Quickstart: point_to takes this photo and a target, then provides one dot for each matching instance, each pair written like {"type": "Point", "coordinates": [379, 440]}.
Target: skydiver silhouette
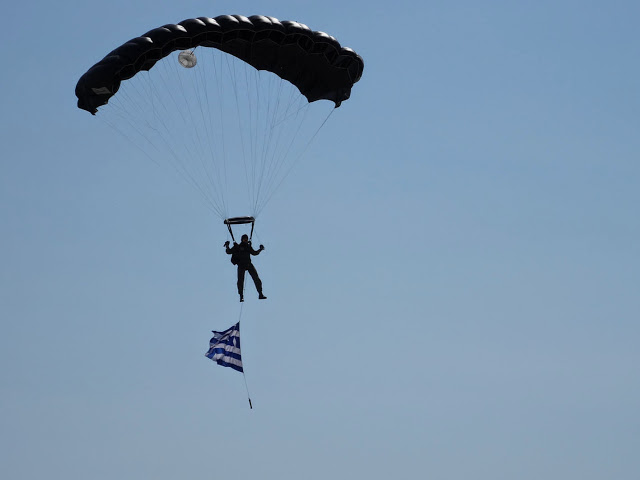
{"type": "Point", "coordinates": [241, 256]}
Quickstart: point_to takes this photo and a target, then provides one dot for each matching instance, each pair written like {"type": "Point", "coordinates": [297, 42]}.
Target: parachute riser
{"type": "Point", "coordinates": [240, 221]}
{"type": "Point", "coordinates": [231, 233]}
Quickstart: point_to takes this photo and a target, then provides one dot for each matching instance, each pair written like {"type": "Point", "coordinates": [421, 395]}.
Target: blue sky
{"type": "Point", "coordinates": [452, 269]}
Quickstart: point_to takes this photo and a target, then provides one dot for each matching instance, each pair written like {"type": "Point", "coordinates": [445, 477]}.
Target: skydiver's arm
{"type": "Point", "coordinates": [257, 252]}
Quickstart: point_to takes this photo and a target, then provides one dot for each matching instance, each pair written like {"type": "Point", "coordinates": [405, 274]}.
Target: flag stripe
{"type": "Point", "coordinates": [221, 352]}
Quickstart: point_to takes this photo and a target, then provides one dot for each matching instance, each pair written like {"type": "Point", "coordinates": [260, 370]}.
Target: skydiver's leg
{"type": "Point", "coordinates": [241, 270]}
{"type": "Point", "coordinates": [256, 279]}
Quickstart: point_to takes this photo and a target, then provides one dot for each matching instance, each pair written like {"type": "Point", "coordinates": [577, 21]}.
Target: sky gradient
{"type": "Point", "coordinates": [452, 269]}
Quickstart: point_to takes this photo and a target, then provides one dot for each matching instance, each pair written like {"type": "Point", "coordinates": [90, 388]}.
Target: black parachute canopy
{"type": "Point", "coordinates": [314, 62]}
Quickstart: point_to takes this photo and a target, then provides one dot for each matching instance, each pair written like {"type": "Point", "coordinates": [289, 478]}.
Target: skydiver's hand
{"type": "Point", "coordinates": [261, 247]}
{"type": "Point", "coordinates": [226, 244]}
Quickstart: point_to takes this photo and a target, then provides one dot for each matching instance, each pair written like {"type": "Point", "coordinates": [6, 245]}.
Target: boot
{"type": "Point", "coordinates": [241, 298]}
{"type": "Point", "coordinates": [261, 296]}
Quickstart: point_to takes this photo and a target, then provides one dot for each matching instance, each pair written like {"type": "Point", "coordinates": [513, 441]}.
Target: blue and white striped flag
{"type": "Point", "coordinates": [224, 348]}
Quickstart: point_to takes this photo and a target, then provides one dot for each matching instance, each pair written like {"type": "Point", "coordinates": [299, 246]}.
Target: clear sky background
{"type": "Point", "coordinates": [453, 270]}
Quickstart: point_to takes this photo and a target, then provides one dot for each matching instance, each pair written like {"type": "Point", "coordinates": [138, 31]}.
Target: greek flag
{"type": "Point", "coordinates": [224, 348]}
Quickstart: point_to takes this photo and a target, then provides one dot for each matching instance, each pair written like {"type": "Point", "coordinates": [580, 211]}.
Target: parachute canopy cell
{"type": "Point", "coordinates": [314, 62]}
